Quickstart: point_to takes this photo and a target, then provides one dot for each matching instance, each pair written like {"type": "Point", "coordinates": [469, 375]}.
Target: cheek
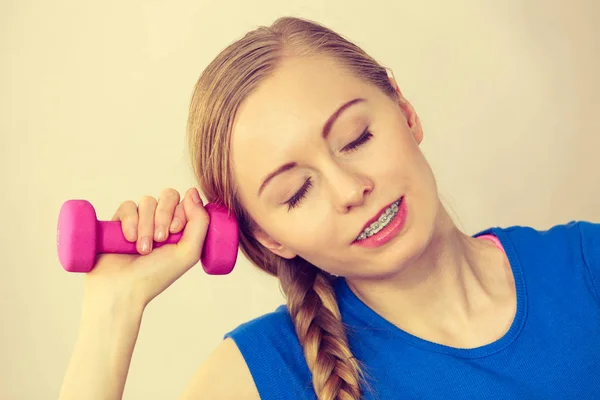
{"type": "Point", "coordinates": [308, 236]}
{"type": "Point", "coordinates": [388, 157]}
{"type": "Point", "coordinates": [397, 148]}
{"type": "Point", "coordinates": [311, 235]}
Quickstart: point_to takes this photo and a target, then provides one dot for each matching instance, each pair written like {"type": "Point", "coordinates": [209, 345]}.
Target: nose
{"type": "Point", "coordinates": [349, 189]}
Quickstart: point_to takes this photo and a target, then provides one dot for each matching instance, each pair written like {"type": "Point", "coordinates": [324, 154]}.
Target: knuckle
{"type": "Point", "coordinates": [127, 214]}
{"type": "Point", "coordinates": [163, 216]}
{"type": "Point", "coordinates": [179, 220]}
{"type": "Point", "coordinates": [145, 219]}
{"type": "Point", "coordinates": [126, 205]}
{"type": "Point", "coordinates": [180, 212]}
{"type": "Point", "coordinates": [146, 229]}
{"type": "Point", "coordinates": [131, 221]}
{"type": "Point", "coordinates": [148, 201]}
{"type": "Point", "coordinates": [126, 211]}
{"type": "Point", "coordinates": [146, 215]}
{"type": "Point", "coordinates": [170, 195]}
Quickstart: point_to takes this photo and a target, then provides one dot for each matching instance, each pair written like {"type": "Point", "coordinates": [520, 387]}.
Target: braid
{"type": "Point", "coordinates": [314, 310]}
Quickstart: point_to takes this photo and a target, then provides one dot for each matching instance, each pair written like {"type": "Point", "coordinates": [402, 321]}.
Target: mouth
{"type": "Point", "coordinates": [379, 220]}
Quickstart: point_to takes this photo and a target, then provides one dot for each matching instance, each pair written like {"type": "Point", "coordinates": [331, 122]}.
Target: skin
{"type": "Point", "coordinates": [444, 286]}
{"type": "Point", "coordinates": [432, 280]}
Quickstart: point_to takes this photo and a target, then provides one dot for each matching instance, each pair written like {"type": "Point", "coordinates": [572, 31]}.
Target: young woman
{"type": "Point", "coordinates": [313, 146]}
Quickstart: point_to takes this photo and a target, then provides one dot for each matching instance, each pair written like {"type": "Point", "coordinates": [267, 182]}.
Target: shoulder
{"type": "Point", "coordinates": [251, 362]}
{"type": "Point", "coordinates": [590, 247]}
{"type": "Point", "coordinates": [585, 232]}
{"type": "Point", "coordinates": [270, 338]}
{"type": "Point", "coordinates": [274, 355]}
{"type": "Point", "coordinates": [590, 240]}
{"type": "Point", "coordinates": [224, 375]}
{"type": "Point", "coordinates": [568, 247]}
{"type": "Point", "coordinates": [277, 320]}
{"type": "Point", "coordinates": [563, 237]}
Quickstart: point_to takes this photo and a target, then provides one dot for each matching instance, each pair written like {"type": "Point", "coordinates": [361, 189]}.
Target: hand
{"type": "Point", "coordinates": [137, 279]}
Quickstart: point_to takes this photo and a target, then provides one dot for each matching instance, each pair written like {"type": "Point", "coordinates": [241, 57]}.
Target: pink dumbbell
{"type": "Point", "coordinates": [80, 236]}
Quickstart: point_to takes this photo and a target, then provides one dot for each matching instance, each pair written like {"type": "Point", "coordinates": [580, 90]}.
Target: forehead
{"type": "Point", "coordinates": [288, 110]}
{"type": "Point", "coordinates": [301, 90]}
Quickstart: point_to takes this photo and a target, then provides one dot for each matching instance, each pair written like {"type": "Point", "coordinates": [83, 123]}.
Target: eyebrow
{"type": "Point", "coordinates": [324, 133]}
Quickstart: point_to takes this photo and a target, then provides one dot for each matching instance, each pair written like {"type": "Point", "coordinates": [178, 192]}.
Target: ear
{"type": "Point", "coordinates": [271, 244]}
{"type": "Point", "coordinates": [412, 119]}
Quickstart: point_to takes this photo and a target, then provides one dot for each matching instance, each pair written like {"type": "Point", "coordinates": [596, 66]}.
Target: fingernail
{"type": "Point", "coordinates": [132, 234]}
{"type": "Point", "coordinates": [160, 233]}
{"type": "Point", "coordinates": [195, 196]}
{"type": "Point", "coordinates": [145, 244]}
{"type": "Point", "coordinates": [174, 224]}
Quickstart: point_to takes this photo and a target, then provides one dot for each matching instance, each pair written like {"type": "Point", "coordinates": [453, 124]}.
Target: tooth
{"type": "Point", "coordinates": [378, 225]}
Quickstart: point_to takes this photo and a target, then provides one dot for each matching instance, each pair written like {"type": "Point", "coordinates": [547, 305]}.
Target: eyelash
{"type": "Point", "coordinates": [293, 202]}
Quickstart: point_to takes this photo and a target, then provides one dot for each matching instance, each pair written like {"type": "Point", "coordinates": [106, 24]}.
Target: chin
{"type": "Point", "coordinates": [404, 250]}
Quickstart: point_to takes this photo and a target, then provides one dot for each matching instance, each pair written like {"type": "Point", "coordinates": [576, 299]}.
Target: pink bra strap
{"type": "Point", "coordinates": [493, 239]}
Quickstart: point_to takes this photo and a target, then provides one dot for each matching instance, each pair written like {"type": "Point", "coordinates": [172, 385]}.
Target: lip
{"type": "Point", "coordinates": [376, 217]}
{"type": "Point", "coordinates": [389, 232]}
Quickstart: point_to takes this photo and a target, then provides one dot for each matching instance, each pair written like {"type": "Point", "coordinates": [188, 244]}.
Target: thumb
{"type": "Point", "coordinates": [191, 242]}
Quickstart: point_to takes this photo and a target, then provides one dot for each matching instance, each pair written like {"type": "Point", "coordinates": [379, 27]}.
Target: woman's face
{"type": "Point", "coordinates": [370, 157]}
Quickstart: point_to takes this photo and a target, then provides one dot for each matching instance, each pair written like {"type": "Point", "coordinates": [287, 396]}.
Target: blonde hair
{"type": "Point", "coordinates": [220, 90]}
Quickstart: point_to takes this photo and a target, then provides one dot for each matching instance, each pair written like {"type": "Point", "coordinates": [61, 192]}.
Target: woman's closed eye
{"type": "Point", "coordinates": [364, 138]}
{"type": "Point", "coordinates": [296, 198]}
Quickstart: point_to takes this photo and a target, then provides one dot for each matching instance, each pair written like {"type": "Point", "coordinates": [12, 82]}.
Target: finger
{"type": "Point", "coordinates": [179, 219]}
{"type": "Point", "coordinates": [167, 201]}
{"type": "Point", "coordinates": [127, 213]}
{"type": "Point", "coordinates": [198, 219]}
{"type": "Point", "coordinates": [146, 211]}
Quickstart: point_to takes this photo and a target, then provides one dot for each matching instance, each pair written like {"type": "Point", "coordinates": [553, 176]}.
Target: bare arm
{"type": "Point", "coordinates": [121, 285]}
{"type": "Point", "coordinates": [224, 376]}
{"type": "Point", "coordinates": [100, 361]}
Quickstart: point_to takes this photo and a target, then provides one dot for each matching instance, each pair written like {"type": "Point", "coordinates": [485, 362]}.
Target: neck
{"type": "Point", "coordinates": [450, 287]}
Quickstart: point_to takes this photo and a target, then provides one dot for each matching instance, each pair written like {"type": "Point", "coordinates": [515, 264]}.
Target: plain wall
{"type": "Point", "coordinates": [93, 105]}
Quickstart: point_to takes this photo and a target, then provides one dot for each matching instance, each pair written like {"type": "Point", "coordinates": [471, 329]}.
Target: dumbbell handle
{"type": "Point", "coordinates": [111, 239]}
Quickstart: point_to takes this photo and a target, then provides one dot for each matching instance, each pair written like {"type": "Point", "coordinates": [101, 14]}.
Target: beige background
{"type": "Point", "coordinates": [94, 97]}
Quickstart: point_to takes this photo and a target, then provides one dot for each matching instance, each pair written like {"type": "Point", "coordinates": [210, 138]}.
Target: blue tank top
{"type": "Point", "coordinates": [551, 350]}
